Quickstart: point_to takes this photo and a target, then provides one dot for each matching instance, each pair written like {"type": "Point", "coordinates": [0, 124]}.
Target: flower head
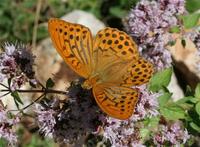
{"type": "Point", "coordinates": [16, 63]}
{"type": "Point", "coordinates": [174, 134]}
{"type": "Point", "coordinates": [67, 121]}
{"type": "Point", "coordinates": [147, 105]}
{"type": "Point", "coordinates": [7, 126]}
{"type": "Point", "coordinates": [46, 119]}
{"type": "Point", "coordinates": [194, 36]}
{"type": "Point", "coordinates": [149, 23]}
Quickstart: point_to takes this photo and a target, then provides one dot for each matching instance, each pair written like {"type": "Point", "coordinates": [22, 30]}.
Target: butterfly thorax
{"type": "Point", "coordinates": [90, 82]}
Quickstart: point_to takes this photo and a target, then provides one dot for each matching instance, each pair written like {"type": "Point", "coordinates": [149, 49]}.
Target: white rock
{"type": "Point", "coordinates": [86, 19]}
{"type": "Point", "coordinates": [175, 88]}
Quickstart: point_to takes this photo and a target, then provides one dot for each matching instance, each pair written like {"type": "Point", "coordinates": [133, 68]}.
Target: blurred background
{"type": "Point", "coordinates": [18, 16]}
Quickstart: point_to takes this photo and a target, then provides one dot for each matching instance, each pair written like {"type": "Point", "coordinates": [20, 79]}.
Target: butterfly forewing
{"type": "Point", "coordinates": [116, 101]}
{"type": "Point", "coordinates": [74, 43]}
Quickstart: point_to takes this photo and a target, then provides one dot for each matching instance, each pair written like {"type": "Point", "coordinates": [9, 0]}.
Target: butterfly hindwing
{"type": "Point", "coordinates": [74, 43]}
{"type": "Point", "coordinates": [137, 73]}
{"type": "Point", "coordinates": [116, 101]}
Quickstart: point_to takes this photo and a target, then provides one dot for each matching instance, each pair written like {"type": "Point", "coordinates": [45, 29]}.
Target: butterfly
{"type": "Point", "coordinates": [110, 63]}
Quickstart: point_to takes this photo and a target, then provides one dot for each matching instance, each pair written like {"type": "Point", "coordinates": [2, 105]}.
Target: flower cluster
{"type": "Point", "coordinates": [149, 23]}
{"type": "Point", "coordinates": [67, 121]}
{"type": "Point", "coordinates": [121, 133]}
{"type": "Point", "coordinates": [7, 126]}
{"type": "Point", "coordinates": [197, 43]}
{"type": "Point", "coordinates": [147, 105]}
{"type": "Point", "coordinates": [16, 63]}
{"type": "Point", "coordinates": [194, 36]}
{"type": "Point", "coordinates": [126, 133]}
{"type": "Point", "coordinates": [172, 134]}
{"type": "Point", "coordinates": [46, 119]}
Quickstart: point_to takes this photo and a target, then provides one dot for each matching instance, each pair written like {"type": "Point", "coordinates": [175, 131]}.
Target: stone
{"type": "Point", "coordinates": [86, 19]}
{"type": "Point", "coordinates": [186, 59]}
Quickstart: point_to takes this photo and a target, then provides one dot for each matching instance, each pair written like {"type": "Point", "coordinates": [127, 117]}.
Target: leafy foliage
{"type": "Point", "coordinates": [186, 108]}
{"type": "Point", "coordinates": [160, 79]}
{"type": "Point", "coordinates": [192, 5]}
{"type": "Point", "coordinates": [17, 18]}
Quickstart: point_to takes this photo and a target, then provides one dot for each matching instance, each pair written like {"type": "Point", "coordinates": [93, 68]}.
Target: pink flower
{"type": "Point", "coordinates": [16, 63]}
{"type": "Point", "coordinates": [149, 23]}
{"type": "Point", "coordinates": [121, 133]}
{"type": "Point", "coordinates": [68, 121]}
{"type": "Point", "coordinates": [46, 120]}
{"type": "Point", "coordinates": [147, 105]}
{"type": "Point", "coordinates": [174, 134]}
{"type": "Point", "coordinates": [7, 124]}
{"type": "Point", "coordinates": [195, 37]}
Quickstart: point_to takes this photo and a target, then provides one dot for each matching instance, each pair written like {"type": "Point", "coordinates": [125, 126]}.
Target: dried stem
{"type": "Point", "coordinates": [37, 15]}
{"type": "Point", "coordinates": [3, 85]}
{"type": "Point", "coordinates": [32, 103]}
{"type": "Point", "coordinates": [45, 91]}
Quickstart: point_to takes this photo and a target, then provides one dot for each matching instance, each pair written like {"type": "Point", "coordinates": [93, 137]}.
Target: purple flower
{"type": "Point", "coordinates": [16, 63]}
{"type": "Point", "coordinates": [121, 133]}
{"type": "Point", "coordinates": [67, 121]}
{"type": "Point", "coordinates": [147, 105]}
{"type": "Point", "coordinates": [46, 119]}
{"type": "Point", "coordinates": [174, 134]}
{"type": "Point", "coordinates": [7, 126]}
{"type": "Point", "coordinates": [194, 36]}
{"type": "Point", "coordinates": [149, 22]}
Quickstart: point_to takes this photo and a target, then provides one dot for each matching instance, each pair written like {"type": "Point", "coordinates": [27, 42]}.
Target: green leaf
{"type": "Point", "coordinates": [189, 91]}
{"type": "Point", "coordinates": [118, 12]}
{"type": "Point", "coordinates": [173, 112]}
{"type": "Point", "coordinates": [160, 79]}
{"type": "Point", "coordinates": [197, 108]}
{"type": "Point", "coordinates": [3, 142]}
{"type": "Point", "coordinates": [171, 42]}
{"type": "Point", "coordinates": [197, 91]}
{"type": "Point", "coordinates": [9, 81]}
{"type": "Point", "coordinates": [183, 42]}
{"type": "Point", "coordinates": [152, 122]}
{"type": "Point", "coordinates": [190, 20]}
{"type": "Point", "coordinates": [16, 97]}
{"type": "Point", "coordinates": [194, 100]}
{"type": "Point", "coordinates": [49, 83]}
{"type": "Point", "coordinates": [144, 133]}
{"type": "Point", "coordinates": [37, 141]}
{"type": "Point", "coordinates": [185, 99]}
{"type": "Point", "coordinates": [195, 126]}
{"type": "Point", "coordinates": [192, 5]}
{"type": "Point", "coordinates": [175, 29]}
{"type": "Point", "coordinates": [163, 99]}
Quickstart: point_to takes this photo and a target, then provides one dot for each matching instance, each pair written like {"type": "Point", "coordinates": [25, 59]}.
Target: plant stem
{"type": "Point", "coordinates": [21, 110]}
{"type": "Point", "coordinates": [37, 15]}
{"type": "Point", "coordinates": [3, 85]}
{"type": "Point", "coordinates": [37, 91]}
{"type": "Point", "coordinates": [32, 102]}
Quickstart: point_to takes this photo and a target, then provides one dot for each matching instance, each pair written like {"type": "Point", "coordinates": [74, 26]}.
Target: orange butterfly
{"type": "Point", "coordinates": [110, 63]}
